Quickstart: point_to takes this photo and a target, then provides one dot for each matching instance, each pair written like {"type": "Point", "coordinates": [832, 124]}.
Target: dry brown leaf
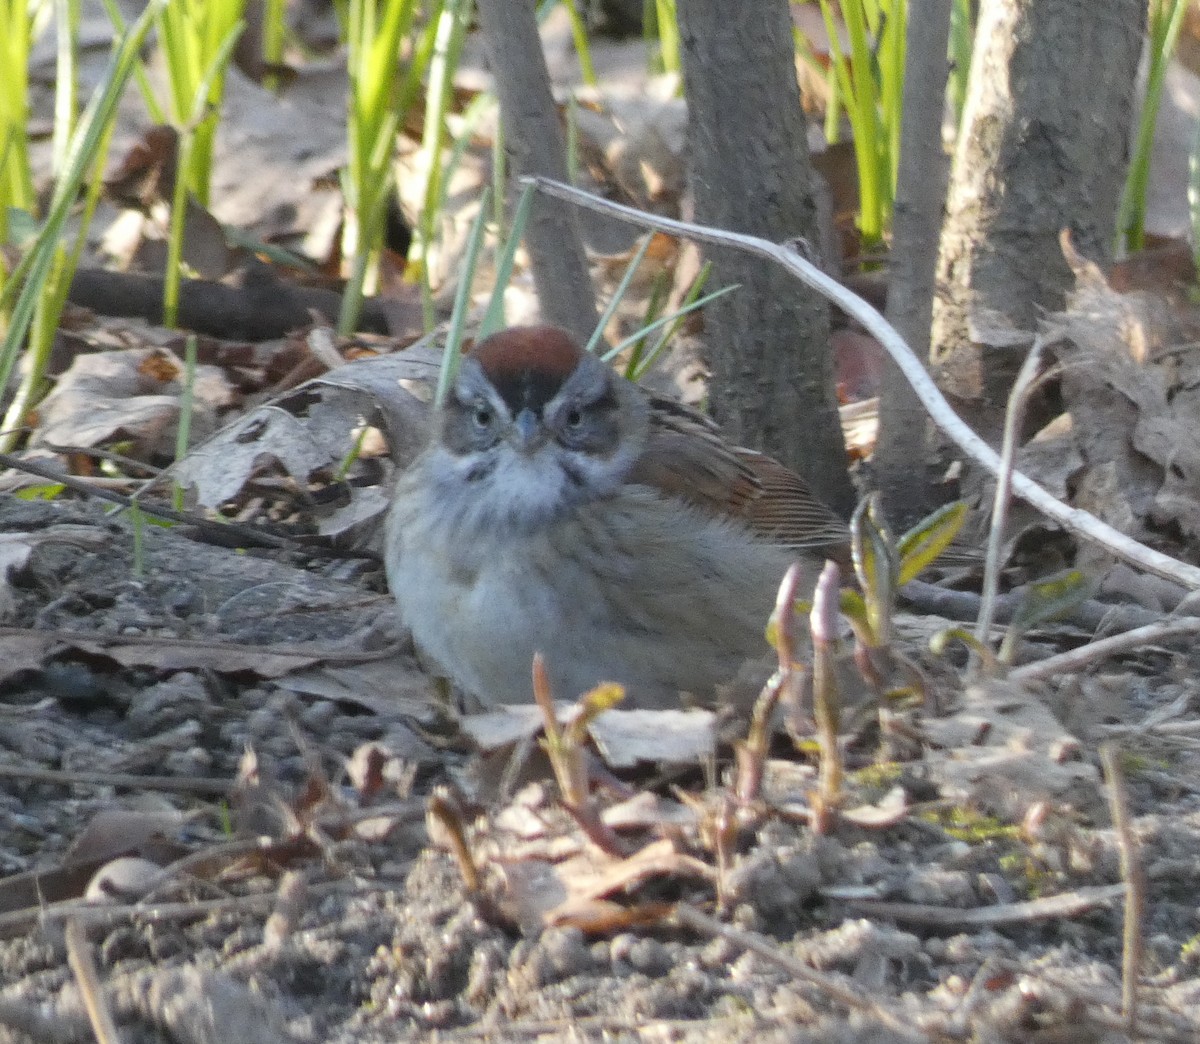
{"type": "Point", "coordinates": [1138, 441]}
{"type": "Point", "coordinates": [311, 430]}
{"type": "Point", "coordinates": [542, 893]}
{"type": "Point", "coordinates": [132, 394]}
{"type": "Point", "coordinates": [389, 686]}
{"type": "Point", "coordinates": [626, 738]}
{"type": "Point", "coordinates": [117, 832]}
{"type": "Point", "coordinates": [496, 729]}
{"type": "Point", "coordinates": [109, 835]}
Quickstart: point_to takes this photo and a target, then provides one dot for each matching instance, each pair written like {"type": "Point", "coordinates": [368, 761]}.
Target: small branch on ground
{"type": "Point", "coordinates": [1077, 659]}
{"type": "Point", "coordinates": [1014, 416]}
{"type": "Point", "coordinates": [247, 535]}
{"type": "Point", "coordinates": [261, 308]}
{"type": "Point", "coordinates": [82, 960]}
{"type": "Point", "coordinates": [1135, 884]}
{"type": "Point", "coordinates": [836, 990]}
{"type": "Point", "coordinates": [1067, 904]}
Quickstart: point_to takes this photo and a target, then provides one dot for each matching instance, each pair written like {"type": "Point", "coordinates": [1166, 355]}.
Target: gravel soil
{"type": "Point", "coordinates": [305, 901]}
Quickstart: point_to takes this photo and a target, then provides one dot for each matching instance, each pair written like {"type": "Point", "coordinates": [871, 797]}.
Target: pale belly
{"type": "Point", "coordinates": [606, 612]}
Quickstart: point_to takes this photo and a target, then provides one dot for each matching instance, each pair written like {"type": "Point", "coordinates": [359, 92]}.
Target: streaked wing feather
{"type": "Point", "coordinates": [787, 510]}
{"type": "Point", "coordinates": [686, 457]}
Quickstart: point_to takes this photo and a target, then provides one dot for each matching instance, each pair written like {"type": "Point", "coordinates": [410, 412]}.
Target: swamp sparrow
{"type": "Point", "coordinates": [560, 508]}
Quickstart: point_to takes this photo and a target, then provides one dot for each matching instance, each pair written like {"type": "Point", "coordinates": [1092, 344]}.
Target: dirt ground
{"type": "Point", "coordinates": [288, 915]}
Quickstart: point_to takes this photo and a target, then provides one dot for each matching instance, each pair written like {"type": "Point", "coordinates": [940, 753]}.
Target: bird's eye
{"type": "Point", "coordinates": [574, 420]}
{"type": "Point", "coordinates": [483, 416]}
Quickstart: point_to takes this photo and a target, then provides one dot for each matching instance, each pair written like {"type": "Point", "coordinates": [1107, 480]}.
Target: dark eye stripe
{"type": "Point", "coordinates": [606, 402]}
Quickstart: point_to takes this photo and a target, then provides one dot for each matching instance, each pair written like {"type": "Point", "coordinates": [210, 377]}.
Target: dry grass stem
{"type": "Point", "coordinates": [1013, 418]}
{"type": "Point", "coordinates": [90, 915]}
{"type": "Point", "coordinates": [1132, 875]}
{"type": "Point", "coordinates": [168, 784]}
{"type": "Point", "coordinates": [82, 960]}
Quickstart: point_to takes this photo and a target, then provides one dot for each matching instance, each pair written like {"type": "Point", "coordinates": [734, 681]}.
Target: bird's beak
{"type": "Point", "coordinates": [529, 430]}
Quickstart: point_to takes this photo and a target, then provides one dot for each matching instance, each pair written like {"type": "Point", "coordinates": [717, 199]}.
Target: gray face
{"type": "Point", "coordinates": [531, 409]}
{"type": "Point", "coordinates": [535, 444]}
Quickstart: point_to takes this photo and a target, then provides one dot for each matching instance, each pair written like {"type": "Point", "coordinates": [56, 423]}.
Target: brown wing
{"type": "Point", "coordinates": [787, 510]}
{"type": "Point", "coordinates": [686, 457]}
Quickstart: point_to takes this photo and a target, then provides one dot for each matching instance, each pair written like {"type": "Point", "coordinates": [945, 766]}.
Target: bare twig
{"type": "Point", "coordinates": [1090, 615]}
{"type": "Point", "coordinates": [1076, 659]}
{"type": "Point", "coordinates": [92, 915]}
{"type": "Point", "coordinates": [83, 965]}
{"type": "Point", "coordinates": [836, 990]}
{"type": "Point", "coordinates": [90, 639]}
{"type": "Point", "coordinates": [1068, 904]}
{"type": "Point", "coordinates": [1013, 417]}
{"type": "Point", "coordinates": [1078, 521]}
{"type": "Point", "coordinates": [1131, 874]}
{"type": "Point", "coordinates": [168, 784]}
{"type": "Point", "coordinates": [251, 536]}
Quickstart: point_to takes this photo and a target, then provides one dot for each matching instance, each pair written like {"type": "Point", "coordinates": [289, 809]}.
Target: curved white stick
{"type": "Point", "coordinates": [1075, 519]}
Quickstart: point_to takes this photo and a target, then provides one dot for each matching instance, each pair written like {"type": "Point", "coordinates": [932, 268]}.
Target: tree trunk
{"type": "Point", "coordinates": [900, 451]}
{"type": "Point", "coordinates": [772, 383]}
{"type": "Point", "coordinates": [535, 143]}
{"type": "Point", "coordinates": [1042, 148]}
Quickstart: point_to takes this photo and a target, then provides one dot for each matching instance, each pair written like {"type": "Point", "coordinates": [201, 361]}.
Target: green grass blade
{"type": "Point", "coordinates": [663, 320]}
{"type": "Point", "coordinates": [149, 97]}
{"type": "Point", "coordinates": [493, 318]}
{"type": "Point", "coordinates": [618, 294]}
{"type": "Point", "coordinates": [922, 544]}
{"type": "Point", "coordinates": [462, 304]}
{"type": "Point", "coordinates": [94, 125]}
{"type": "Point", "coordinates": [1166, 22]}
{"type": "Point", "coordinates": [188, 144]}
{"type": "Point", "coordinates": [583, 47]}
{"type": "Point", "coordinates": [691, 301]}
